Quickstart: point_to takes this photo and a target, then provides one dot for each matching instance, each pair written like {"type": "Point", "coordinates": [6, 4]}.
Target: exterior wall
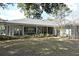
{"type": "Point", "coordinates": [72, 31]}
{"type": "Point", "coordinates": [66, 31]}
{"type": "Point", "coordinates": [2, 29]}
{"type": "Point", "coordinates": [9, 30]}
{"type": "Point", "coordinates": [50, 30]}
{"type": "Point", "coordinates": [15, 29]}
{"type": "Point", "coordinates": [19, 30]}
{"type": "Point", "coordinates": [29, 30]}
{"type": "Point", "coordinates": [62, 32]}
{"type": "Point", "coordinates": [39, 30]}
{"type": "Point", "coordinates": [75, 32]}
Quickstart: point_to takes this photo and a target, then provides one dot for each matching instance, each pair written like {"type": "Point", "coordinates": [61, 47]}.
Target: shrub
{"type": "Point", "coordinates": [3, 37]}
{"type": "Point", "coordinates": [26, 36]}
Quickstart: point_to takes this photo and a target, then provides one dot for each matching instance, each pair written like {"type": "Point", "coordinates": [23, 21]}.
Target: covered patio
{"type": "Point", "coordinates": [23, 27]}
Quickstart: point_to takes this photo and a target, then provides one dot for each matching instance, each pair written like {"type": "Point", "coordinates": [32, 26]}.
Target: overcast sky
{"type": "Point", "coordinates": [14, 13]}
{"type": "Point", "coordinates": [75, 10]}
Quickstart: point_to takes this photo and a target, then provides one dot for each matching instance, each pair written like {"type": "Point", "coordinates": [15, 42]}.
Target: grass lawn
{"type": "Point", "coordinates": [39, 47]}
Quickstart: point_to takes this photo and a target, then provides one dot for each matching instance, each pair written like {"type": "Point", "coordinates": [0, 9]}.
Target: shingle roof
{"type": "Point", "coordinates": [75, 21]}
{"type": "Point", "coordinates": [2, 20]}
{"type": "Point", "coordinates": [36, 22]}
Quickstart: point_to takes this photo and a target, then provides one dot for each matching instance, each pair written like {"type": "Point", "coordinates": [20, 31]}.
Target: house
{"type": "Point", "coordinates": [36, 26]}
{"type": "Point", "coordinates": [74, 27]}
{"type": "Point", "coordinates": [28, 27]}
{"type": "Point", "coordinates": [71, 29]}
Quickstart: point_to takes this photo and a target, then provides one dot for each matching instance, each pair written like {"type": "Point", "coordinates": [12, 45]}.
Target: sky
{"type": "Point", "coordinates": [75, 11]}
{"type": "Point", "coordinates": [14, 13]}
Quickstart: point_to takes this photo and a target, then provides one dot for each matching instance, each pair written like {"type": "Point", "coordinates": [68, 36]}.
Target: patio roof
{"type": "Point", "coordinates": [35, 22]}
{"type": "Point", "coordinates": [75, 21]}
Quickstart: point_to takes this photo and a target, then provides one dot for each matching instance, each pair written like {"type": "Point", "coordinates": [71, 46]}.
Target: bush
{"type": "Point", "coordinates": [3, 37]}
{"type": "Point", "coordinates": [26, 36]}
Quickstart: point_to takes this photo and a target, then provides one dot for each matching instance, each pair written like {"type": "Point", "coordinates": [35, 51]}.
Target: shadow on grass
{"type": "Point", "coordinates": [39, 48]}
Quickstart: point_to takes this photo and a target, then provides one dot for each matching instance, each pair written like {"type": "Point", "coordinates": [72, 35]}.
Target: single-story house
{"type": "Point", "coordinates": [28, 27]}
{"type": "Point", "coordinates": [35, 26]}
{"type": "Point", "coordinates": [74, 28]}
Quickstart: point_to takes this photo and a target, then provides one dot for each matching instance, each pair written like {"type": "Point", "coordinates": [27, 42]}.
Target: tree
{"type": "Point", "coordinates": [60, 12]}
{"type": "Point", "coordinates": [31, 10]}
{"type": "Point", "coordinates": [5, 5]}
{"type": "Point", "coordinates": [34, 10]}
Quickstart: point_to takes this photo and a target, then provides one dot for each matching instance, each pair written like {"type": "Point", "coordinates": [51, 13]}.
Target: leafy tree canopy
{"type": "Point", "coordinates": [5, 5]}
{"type": "Point", "coordinates": [34, 10]}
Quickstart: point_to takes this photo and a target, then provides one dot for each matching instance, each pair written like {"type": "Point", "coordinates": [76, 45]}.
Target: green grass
{"type": "Point", "coordinates": [40, 47]}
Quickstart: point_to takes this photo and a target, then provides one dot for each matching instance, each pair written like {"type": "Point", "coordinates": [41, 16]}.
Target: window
{"type": "Point", "coordinates": [29, 30]}
{"type": "Point", "coordinates": [2, 29]}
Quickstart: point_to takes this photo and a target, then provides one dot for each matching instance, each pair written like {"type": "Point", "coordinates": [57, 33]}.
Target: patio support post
{"type": "Point", "coordinates": [47, 31]}
{"type": "Point", "coordinates": [6, 29]}
{"type": "Point", "coordinates": [23, 30]}
{"type": "Point", "coordinates": [36, 29]}
{"type": "Point", "coordinates": [41, 30]}
{"type": "Point", "coordinates": [52, 30]}
{"type": "Point", "coordinates": [12, 28]}
{"type": "Point", "coordinates": [55, 31]}
{"type": "Point", "coordinates": [9, 30]}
